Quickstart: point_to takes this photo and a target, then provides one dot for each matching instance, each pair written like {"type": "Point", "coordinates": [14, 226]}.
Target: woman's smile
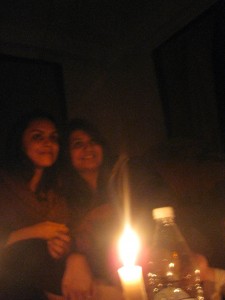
{"type": "Point", "coordinates": [85, 153]}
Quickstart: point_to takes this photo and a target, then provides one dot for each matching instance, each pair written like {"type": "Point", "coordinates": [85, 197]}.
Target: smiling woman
{"type": "Point", "coordinates": [85, 181]}
{"type": "Point", "coordinates": [40, 143]}
{"type": "Point", "coordinates": [33, 221]}
{"type": "Point", "coordinates": [86, 156]}
{"type": "Point", "coordinates": [87, 164]}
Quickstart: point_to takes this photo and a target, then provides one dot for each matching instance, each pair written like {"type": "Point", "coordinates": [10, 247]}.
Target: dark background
{"type": "Point", "coordinates": [182, 77]}
{"type": "Point", "coordinates": [154, 67]}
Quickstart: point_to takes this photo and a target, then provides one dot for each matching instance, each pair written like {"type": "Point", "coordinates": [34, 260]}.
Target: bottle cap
{"type": "Point", "coordinates": [163, 212]}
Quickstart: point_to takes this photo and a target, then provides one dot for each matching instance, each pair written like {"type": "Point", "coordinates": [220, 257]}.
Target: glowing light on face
{"type": "Point", "coordinates": [86, 154]}
{"type": "Point", "coordinates": [40, 143]}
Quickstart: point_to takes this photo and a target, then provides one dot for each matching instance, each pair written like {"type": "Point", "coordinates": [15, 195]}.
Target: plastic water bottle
{"type": "Point", "coordinates": [171, 272]}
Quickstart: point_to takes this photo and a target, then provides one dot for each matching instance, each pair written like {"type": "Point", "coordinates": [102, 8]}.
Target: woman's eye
{"type": "Point", "coordinates": [82, 144]}
{"type": "Point", "coordinates": [37, 137]}
{"type": "Point", "coordinates": [77, 145]}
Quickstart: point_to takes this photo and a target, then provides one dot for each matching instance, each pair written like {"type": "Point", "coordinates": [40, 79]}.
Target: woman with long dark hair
{"type": "Point", "coordinates": [85, 185]}
{"type": "Point", "coordinates": [88, 166]}
{"type": "Point", "coordinates": [33, 221]}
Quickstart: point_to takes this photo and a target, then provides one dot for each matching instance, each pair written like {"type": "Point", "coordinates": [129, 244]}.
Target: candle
{"type": "Point", "coordinates": [131, 276]}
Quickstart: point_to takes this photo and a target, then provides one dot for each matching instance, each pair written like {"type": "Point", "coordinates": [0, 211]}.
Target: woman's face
{"type": "Point", "coordinates": [85, 153]}
{"type": "Point", "coordinates": [40, 143]}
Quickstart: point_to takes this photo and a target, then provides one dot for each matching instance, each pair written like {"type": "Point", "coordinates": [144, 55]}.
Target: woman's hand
{"type": "Point", "coordinates": [56, 234]}
{"type": "Point", "coordinates": [58, 247]}
{"type": "Point", "coordinates": [46, 230]}
{"type": "Point", "coordinates": [49, 230]}
{"type": "Point", "coordinates": [77, 282]}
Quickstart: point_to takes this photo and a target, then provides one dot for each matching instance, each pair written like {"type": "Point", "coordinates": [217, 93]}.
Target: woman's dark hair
{"type": "Point", "coordinates": [16, 161]}
{"type": "Point", "coordinates": [72, 175]}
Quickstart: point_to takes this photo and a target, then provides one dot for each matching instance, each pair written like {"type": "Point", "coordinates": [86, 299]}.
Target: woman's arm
{"type": "Point", "coordinates": [45, 230]}
{"type": "Point", "coordinates": [77, 279]}
{"type": "Point", "coordinates": [56, 235]}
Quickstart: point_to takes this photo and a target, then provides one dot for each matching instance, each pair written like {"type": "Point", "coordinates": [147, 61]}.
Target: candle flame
{"type": "Point", "coordinates": [129, 246]}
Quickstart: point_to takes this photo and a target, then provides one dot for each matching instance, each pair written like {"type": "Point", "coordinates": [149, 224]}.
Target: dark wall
{"type": "Point", "coordinates": [190, 69]}
{"type": "Point", "coordinates": [219, 66]}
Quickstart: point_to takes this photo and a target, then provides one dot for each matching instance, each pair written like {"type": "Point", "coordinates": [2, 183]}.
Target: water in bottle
{"type": "Point", "coordinates": [171, 271]}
